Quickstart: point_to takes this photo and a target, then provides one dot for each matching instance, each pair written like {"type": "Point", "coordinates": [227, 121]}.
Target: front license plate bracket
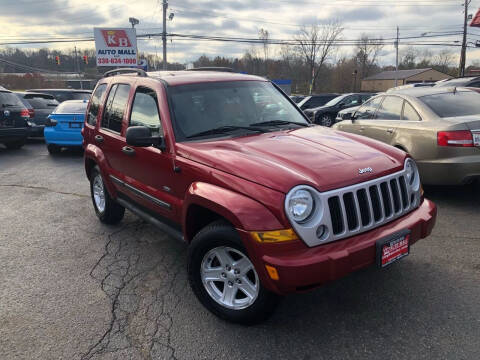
{"type": "Point", "coordinates": [392, 248]}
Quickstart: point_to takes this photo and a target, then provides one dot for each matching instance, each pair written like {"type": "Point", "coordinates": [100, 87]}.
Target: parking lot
{"type": "Point", "coordinates": [73, 288]}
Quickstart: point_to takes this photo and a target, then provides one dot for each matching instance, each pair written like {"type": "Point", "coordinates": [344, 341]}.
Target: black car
{"type": "Point", "coordinates": [14, 120]}
{"type": "Point", "coordinates": [325, 115]}
{"type": "Point", "coordinates": [470, 81]}
{"type": "Point", "coordinates": [65, 94]}
{"type": "Point", "coordinates": [313, 101]}
{"type": "Point", "coordinates": [39, 106]}
{"type": "Point", "coordinates": [297, 98]}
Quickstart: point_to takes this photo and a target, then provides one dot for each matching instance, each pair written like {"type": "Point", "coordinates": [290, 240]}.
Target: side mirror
{"type": "Point", "coordinates": [141, 136]}
{"type": "Point", "coordinates": [353, 117]}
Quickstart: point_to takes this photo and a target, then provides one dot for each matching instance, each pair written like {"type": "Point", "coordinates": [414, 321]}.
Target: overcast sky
{"type": "Point", "coordinates": [33, 19]}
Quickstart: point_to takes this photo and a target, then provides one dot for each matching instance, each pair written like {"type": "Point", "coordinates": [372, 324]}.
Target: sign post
{"type": "Point", "coordinates": [116, 46]}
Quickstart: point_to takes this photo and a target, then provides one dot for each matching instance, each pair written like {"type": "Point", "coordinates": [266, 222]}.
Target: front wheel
{"type": "Point", "coordinates": [224, 279]}
{"type": "Point", "coordinates": [107, 210]}
{"type": "Point", "coordinates": [326, 120]}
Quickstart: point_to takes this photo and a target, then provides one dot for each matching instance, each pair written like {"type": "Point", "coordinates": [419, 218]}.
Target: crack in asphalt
{"type": "Point", "coordinates": [142, 272]}
{"type": "Point", "coordinates": [44, 189]}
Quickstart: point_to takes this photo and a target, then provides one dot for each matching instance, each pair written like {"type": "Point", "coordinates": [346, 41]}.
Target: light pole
{"type": "Point", "coordinates": [133, 21]}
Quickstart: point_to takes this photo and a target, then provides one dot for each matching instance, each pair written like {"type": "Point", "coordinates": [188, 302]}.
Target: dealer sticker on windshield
{"type": "Point", "coordinates": [393, 248]}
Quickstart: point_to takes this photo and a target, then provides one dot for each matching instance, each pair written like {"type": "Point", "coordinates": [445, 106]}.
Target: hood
{"type": "Point", "coordinates": [316, 156]}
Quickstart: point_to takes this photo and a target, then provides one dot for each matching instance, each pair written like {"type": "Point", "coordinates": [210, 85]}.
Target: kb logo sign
{"type": "Point", "coordinates": [116, 38]}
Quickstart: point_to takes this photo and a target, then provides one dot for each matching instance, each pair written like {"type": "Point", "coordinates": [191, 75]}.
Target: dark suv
{"type": "Point", "coordinates": [39, 106]}
{"type": "Point", "coordinates": [268, 203]}
{"type": "Point", "coordinates": [65, 94]}
{"type": "Point", "coordinates": [14, 120]}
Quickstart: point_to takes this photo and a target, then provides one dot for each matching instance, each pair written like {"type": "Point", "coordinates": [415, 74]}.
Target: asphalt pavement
{"type": "Point", "coordinates": [73, 288]}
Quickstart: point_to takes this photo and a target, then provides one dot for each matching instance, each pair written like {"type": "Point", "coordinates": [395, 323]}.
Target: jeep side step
{"type": "Point", "coordinates": [151, 219]}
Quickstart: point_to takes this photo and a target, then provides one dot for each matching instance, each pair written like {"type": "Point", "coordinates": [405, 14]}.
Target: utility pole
{"type": "Point", "coordinates": [396, 59]}
{"type": "Point", "coordinates": [461, 68]}
{"type": "Point", "coordinates": [164, 34]}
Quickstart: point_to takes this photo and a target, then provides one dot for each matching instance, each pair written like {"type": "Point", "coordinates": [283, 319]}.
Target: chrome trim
{"type": "Point", "coordinates": [142, 194]}
{"type": "Point", "coordinates": [322, 215]}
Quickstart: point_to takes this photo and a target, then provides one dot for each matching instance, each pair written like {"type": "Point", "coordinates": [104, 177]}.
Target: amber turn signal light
{"type": "Point", "coordinates": [272, 272]}
{"type": "Point", "coordinates": [274, 236]}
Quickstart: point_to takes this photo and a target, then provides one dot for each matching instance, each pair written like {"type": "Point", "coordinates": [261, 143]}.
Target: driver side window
{"type": "Point", "coordinates": [145, 111]}
{"type": "Point", "coordinates": [367, 110]}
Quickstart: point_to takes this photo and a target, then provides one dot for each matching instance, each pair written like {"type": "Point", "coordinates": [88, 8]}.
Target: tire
{"type": "Point", "coordinates": [203, 254]}
{"type": "Point", "coordinates": [15, 145]}
{"type": "Point", "coordinates": [107, 210]}
{"type": "Point", "coordinates": [53, 149]}
{"type": "Point", "coordinates": [326, 120]}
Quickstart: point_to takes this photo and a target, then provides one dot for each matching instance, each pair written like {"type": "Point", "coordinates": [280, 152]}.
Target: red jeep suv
{"type": "Point", "coordinates": [268, 203]}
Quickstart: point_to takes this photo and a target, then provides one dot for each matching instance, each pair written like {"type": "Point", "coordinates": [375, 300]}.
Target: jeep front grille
{"type": "Point", "coordinates": [369, 205]}
{"type": "Point", "coordinates": [355, 209]}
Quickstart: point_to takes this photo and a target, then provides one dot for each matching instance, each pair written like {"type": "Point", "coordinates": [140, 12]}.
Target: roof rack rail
{"type": "Point", "coordinates": [212, 68]}
{"type": "Point", "coordinates": [119, 71]}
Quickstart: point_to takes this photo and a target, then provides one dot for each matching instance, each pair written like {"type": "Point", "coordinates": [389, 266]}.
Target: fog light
{"type": "Point", "coordinates": [322, 232]}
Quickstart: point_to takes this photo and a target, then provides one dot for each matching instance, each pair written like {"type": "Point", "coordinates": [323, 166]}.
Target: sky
{"type": "Point", "coordinates": [29, 20]}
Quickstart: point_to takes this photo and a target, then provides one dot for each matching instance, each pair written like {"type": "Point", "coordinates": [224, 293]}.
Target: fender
{"type": "Point", "coordinates": [243, 212]}
{"type": "Point", "coordinates": [96, 154]}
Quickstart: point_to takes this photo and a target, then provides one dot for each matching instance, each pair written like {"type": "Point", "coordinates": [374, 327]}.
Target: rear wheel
{"type": "Point", "coordinates": [53, 149]}
{"type": "Point", "coordinates": [107, 210]}
{"type": "Point", "coordinates": [14, 145]}
{"type": "Point", "coordinates": [224, 279]}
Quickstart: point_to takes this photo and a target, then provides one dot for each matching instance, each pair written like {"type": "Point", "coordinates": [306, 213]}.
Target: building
{"type": "Point", "coordinates": [386, 80]}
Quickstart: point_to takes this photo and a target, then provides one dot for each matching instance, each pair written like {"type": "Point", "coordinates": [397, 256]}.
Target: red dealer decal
{"type": "Point", "coordinates": [116, 38]}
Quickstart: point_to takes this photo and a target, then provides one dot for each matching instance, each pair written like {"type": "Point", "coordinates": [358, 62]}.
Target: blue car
{"type": "Point", "coordinates": [63, 127]}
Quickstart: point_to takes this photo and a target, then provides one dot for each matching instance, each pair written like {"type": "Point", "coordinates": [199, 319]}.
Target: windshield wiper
{"type": "Point", "coordinates": [224, 130]}
{"type": "Point", "coordinates": [279, 122]}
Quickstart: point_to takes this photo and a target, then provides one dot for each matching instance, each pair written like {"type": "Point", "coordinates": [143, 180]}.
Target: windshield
{"type": "Point", "coordinates": [453, 104]}
{"type": "Point", "coordinates": [71, 107]}
{"type": "Point", "coordinates": [335, 101]}
{"type": "Point", "coordinates": [199, 108]}
{"type": "Point", "coordinates": [9, 99]}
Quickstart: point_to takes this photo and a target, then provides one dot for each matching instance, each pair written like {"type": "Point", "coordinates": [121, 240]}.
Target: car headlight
{"type": "Point", "coordinates": [412, 175]}
{"type": "Point", "coordinates": [300, 205]}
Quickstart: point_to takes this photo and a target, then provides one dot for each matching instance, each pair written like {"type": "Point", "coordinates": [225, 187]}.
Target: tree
{"type": "Point", "coordinates": [316, 44]}
{"type": "Point", "coordinates": [409, 59]}
{"type": "Point", "coordinates": [368, 51]}
{"type": "Point", "coordinates": [264, 36]}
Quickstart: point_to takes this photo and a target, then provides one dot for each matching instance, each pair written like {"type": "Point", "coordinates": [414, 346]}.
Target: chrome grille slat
{"type": "Point", "coordinates": [382, 205]}
{"type": "Point", "coordinates": [390, 192]}
{"type": "Point", "coordinates": [344, 215]}
{"type": "Point", "coordinates": [370, 208]}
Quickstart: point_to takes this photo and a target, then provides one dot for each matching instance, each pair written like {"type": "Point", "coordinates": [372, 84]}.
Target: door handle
{"type": "Point", "coordinates": [128, 150]}
{"type": "Point", "coordinates": [99, 139]}
{"type": "Point", "coordinates": [390, 130]}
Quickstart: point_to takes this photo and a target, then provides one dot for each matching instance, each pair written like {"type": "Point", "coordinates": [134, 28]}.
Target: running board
{"type": "Point", "coordinates": [152, 220]}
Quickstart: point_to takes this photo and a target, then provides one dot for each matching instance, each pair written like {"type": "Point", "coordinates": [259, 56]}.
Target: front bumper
{"type": "Point", "coordinates": [301, 268]}
{"type": "Point", "coordinates": [452, 171]}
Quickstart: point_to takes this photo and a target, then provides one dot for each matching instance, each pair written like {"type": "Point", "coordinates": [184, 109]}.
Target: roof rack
{"type": "Point", "coordinates": [119, 71]}
{"type": "Point", "coordinates": [212, 68]}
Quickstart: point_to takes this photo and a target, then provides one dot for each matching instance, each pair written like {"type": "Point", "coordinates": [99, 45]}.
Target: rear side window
{"type": "Point", "coordinates": [145, 111]}
{"type": "Point", "coordinates": [391, 108]}
{"type": "Point", "coordinates": [116, 104]}
{"type": "Point", "coordinates": [97, 99]}
{"type": "Point", "coordinates": [409, 113]}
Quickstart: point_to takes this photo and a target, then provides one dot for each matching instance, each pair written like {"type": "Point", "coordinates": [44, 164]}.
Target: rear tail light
{"type": "Point", "coordinates": [460, 138]}
{"type": "Point", "coordinates": [50, 122]}
{"type": "Point", "coordinates": [25, 113]}
{"type": "Point", "coordinates": [31, 113]}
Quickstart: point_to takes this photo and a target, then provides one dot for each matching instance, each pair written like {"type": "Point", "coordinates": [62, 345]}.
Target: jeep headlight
{"type": "Point", "coordinates": [300, 205]}
{"type": "Point", "coordinates": [412, 175]}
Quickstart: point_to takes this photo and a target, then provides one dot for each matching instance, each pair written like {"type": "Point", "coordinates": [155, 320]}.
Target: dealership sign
{"type": "Point", "coordinates": [116, 47]}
